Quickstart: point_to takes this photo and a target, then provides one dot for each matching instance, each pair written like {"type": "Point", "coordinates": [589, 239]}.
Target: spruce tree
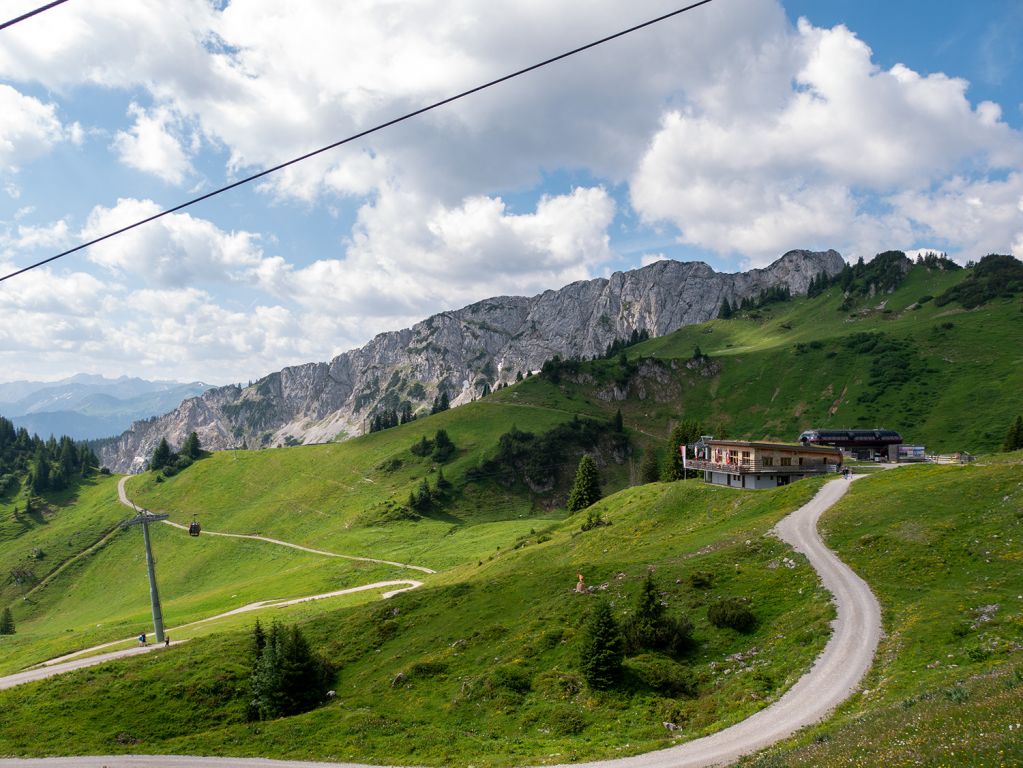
{"type": "Point", "coordinates": [6, 622]}
{"type": "Point", "coordinates": [191, 448]}
{"type": "Point", "coordinates": [725, 313]}
{"type": "Point", "coordinates": [602, 653]}
{"type": "Point", "coordinates": [619, 423]}
{"type": "Point", "coordinates": [650, 469]}
{"type": "Point", "coordinates": [685, 433]}
{"type": "Point", "coordinates": [161, 455]}
{"type": "Point", "coordinates": [586, 488]}
{"type": "Point", "coordinates": [1014, 437]}
{"type": "Point", "coordinates": [287, 677]}
{"type": "Point", "coordinates": [443, 448]}
{"type": "Point", "coordinates": [41, 474]}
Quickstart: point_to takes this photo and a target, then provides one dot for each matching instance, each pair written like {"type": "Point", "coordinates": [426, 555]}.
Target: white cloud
{"type": "Point", "coordinates": [409, 255]}
{"type": "Point", "coordinates": [151, 146]}
{"type": "Point", "coordinates": [173, 251]}
{"type": "Point", "coordinates": [28, 128]}
{"type": "Point", "coordinates": [810, 171]}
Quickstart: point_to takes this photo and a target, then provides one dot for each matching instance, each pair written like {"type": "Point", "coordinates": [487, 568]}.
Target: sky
{"type": "Point", "coordinates": [729, 134]}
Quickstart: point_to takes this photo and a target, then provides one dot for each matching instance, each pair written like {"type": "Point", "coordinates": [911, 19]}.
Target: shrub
{"type": "Point", "coordinates": [512, 678]}
{"type": "Point", "coordinates": [732, 612]}
{"type": "Point", "coordinates": [649, 628]}
{"type": "Point", "coordinates": [557, 685]}
{"type": "Point", "coordinates": [701, 579]}
{"type": "Point", "coordinates": [663, 675]}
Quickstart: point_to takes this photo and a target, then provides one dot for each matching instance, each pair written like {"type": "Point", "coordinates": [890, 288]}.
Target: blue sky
{"type": "Point", "coordinates": [730, 135]}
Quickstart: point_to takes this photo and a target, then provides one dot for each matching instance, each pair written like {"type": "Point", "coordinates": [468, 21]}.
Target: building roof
{"type": "Point", "coordinates": [776, 446]}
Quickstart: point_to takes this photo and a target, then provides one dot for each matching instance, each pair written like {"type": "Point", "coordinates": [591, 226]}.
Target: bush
{"type": "Point", "coordinates": [443, 448]}
{"type": "Point", "coordinates": [663, 675]}
{"type": "Point", "coordinates": [512, 678]}
{"type": "Point", "coordinates": [734, 613]}
{"type": "Point", "coordinates": [649, 628]}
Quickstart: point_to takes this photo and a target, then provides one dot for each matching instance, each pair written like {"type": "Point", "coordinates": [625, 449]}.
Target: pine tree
{"type": "Point", "coordinates": [619, 423]}
{"type": "Point", "coordinates": [191, 448]}
{"type": "Point", "coordinates": [41, 474]}
{"type": "Point", "coordinates": [287, 677]}
{"type": "Point", "coordinates": [602, 652]}
{"type": "Point", "coordinates": [6, 622]}
{"type": "Point", "coordinates": [443, 448]}
{"type": "Point", "coordinates": [1014, 437]}
{"type": "Point", "coordinates": [258, 640]}
{"type": "Point", "coordinates": [650, 469]}
{"type": "Point", "coordinates": [725, 313]}
{"type": "Point", "coordinates": [642, 628]}
{"type": "Point", "coordinates": [586, 488]}
{"type": "Point", "coordinates": [443, 484]}
{"type": "Point", "coordinates": [161, 455]}
{"type": "Point", "coordinates": [683, 434]}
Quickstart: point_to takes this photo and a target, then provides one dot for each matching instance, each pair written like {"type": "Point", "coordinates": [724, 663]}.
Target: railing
{"type": "Point", "coordinates": [758, 467]}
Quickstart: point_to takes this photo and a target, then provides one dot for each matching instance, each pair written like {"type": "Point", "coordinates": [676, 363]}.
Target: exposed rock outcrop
{"type": "Point", "coordinates": [458, 351]}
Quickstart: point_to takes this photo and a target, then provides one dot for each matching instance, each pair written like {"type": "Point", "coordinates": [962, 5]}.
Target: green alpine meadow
{"type": "Point", "coordinates": [533, 578]}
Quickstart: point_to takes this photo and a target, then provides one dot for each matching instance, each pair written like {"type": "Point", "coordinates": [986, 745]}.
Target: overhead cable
{"type": "Point", "coordinates": [353, 137]}
{"type": "Point", "coordinates": [30, 14]}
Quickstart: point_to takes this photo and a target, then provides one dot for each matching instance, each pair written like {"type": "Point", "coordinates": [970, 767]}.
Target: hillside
{"type": "Point", "coordinates": [462, 353]}
{"type": "Point", "coordinates": [945, 376]}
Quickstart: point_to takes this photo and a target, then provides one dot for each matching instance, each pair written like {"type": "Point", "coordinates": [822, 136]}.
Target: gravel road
{"type": "Point", "coordinates": [834, 676]}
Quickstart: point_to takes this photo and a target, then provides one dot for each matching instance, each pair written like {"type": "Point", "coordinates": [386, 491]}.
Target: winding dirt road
{"type": "Point", "coordinates": [123, 496]}
{"type": "Point", "coordinates": [834, 676]}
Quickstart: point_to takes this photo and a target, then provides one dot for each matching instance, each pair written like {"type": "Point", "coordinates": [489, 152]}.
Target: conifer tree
{"type": "Point", "coordinates": [602, 653]}
{"type": "Point", "coordinates": [619, 423]}
{"type": "Point", "coordinates": [161, 455]}
{"type": "Point", "coordinates": [1014, 437]}
{"type": "Point", "coordinates": [683, 434]}
{"type": "Point", "coordinates": [191, 448]}
{"type": "Point", "coordinates": [586, 488]}
{"type": "Point", "coordinates": [6, 622]}
{"type": "Point", "coordinates": [287, 677]}
{"type": "Point", "coordinates": [443, 448]}
{"type": "Point", "coordinates": [725, 312]}
{"type": "Point", "coordinates": [650, 469]}
{"type": "Point", "coordinates": [41, 473]}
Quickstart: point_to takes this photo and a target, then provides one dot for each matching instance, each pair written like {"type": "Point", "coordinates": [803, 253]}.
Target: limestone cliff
{"type": "Point", "coordinates": [458, 351]}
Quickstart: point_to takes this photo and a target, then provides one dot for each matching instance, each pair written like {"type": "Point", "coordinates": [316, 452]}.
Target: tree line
{"type": "Point", "coordinates": [49, 465]}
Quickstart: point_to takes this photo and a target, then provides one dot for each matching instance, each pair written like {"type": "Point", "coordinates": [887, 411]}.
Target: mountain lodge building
{"type": "Point", "coordinates": [745, 464]}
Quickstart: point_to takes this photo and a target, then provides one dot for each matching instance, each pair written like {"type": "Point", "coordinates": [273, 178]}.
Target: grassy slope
{"type": "Point", "coordinates": [331, 496]}
{"type": "Point", "coordinates": [516, 610]}
{"type": "Point", "coordinates": [938, 545]}
{"type": "Point", "coordinates": [968, 388]}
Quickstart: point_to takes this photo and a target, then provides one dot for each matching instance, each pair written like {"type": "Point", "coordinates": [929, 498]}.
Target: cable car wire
{"type": "Point", "coordinates": [359, 135]}
{"type": "Point", "coordinates": [30, 14]}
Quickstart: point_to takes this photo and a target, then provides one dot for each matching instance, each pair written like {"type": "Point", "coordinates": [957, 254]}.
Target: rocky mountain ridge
{"type": "Point", "coordinates": [461, 352]}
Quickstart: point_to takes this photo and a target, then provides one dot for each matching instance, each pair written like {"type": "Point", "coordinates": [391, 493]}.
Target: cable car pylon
{"type": "Point", "coordinates": [144, 517]}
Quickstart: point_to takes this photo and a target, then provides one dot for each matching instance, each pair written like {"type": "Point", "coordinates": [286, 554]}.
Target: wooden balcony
{"type": "Point", "coordinates": [759, 468]}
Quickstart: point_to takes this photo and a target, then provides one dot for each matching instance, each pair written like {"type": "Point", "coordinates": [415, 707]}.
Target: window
{"type": "Point", "coordinates": [768, 461]}
{"type": "Point", "coordinates": [786, 462]}
{"type": "Point", "coordinates": [745, 457]}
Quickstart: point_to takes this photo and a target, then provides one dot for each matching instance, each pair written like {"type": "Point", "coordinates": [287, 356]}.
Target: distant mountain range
{"type": "Point", "coordinates": [87, 407]}
{"type": "Point", "coordinates": [462, 352]}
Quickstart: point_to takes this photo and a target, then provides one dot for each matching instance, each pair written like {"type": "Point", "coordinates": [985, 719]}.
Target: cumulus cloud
{"type": "Point", "coordinates": [151, 145]}
{"type": "Point", "coordinates": [844, 134]}
{"type": "Point", "coordinates": [28, 128]}
{"type": "Point", "coordinates": [409, 254]}
{"type": "Point", "coordinates": [174, 251]}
